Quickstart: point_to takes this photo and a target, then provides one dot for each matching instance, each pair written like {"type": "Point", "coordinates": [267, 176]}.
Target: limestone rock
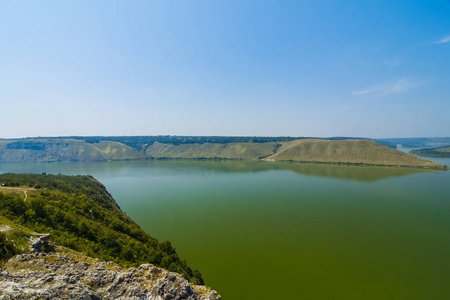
{"type": "Point", "coordinates": [38, 241]}
{"type": "Point", "coordinates": [70, 276]}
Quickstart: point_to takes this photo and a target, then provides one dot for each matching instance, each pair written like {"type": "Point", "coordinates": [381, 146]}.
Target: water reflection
{"type": "Point", "coordinates": [351, 172]}
{"type": "Point", "coordinates": [345, 172]}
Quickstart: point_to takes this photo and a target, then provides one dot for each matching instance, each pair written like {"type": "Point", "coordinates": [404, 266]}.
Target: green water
{"type": "Point", "coordinates": [261, 230]}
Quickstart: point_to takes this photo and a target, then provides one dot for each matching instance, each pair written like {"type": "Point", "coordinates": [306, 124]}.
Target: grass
{"type": "Point", "coordinates": [13, 266]}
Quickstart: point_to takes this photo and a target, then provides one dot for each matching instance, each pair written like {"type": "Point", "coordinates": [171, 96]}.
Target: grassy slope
{"type": "Point", "coordinates": [442, 152]}
{"type": "Point", "coordinates": [211, 150]}
{"type": "Point", "coordinates": [347, 151]}
{"type": "Point", "coordinates": [115, 151]}
{"type": "Point", "coordinates": [47, 150]}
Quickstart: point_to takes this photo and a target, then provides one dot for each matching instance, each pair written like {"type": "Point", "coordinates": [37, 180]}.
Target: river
{"type": "Point", "coordinates": [263, 230]}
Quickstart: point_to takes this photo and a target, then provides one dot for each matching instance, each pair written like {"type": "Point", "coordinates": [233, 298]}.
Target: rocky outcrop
{"type": "Point", "coordinates": [38, 242]}
{"type": "Point", "coordinates": [71, 276]}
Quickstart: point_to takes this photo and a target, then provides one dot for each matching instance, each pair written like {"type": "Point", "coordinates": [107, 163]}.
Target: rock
{"type": "Point", "coordinates": [69, 276]}
{"type": "Point", "coordinates": [5, 228]}
{"type": "Point", "coordinates": [37, 242]}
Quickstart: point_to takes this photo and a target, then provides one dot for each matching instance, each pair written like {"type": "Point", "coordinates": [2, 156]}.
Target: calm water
{"type": "Point", "coordinates": [260, 230]}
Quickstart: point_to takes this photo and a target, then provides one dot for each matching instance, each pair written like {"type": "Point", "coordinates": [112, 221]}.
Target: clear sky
{"type": "Point", "coordinates": [217, 67]}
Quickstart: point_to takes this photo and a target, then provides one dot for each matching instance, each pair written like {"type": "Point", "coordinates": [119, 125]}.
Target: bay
{"type": "Point", "coordinates": [263, 230]}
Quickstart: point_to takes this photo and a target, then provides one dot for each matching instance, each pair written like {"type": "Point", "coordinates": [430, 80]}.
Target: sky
{"type": "Point", "coordinates": [325, 68]}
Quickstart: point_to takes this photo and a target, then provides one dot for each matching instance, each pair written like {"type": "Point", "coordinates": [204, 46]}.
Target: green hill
{"type": "Point", "coordinates": [48, 150]}
{"type": "Point", "coordinates": [81, 215]}
{"type": "Point", "coordinates": [211, 150]}
{"type": "Point", "coordinates": [347, 151]}
{"type": "Point", "coordinates": [442, 152]}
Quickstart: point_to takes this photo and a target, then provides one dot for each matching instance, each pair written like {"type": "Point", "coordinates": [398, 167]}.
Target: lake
{"type": "Point", "coordinates": [263, 230]}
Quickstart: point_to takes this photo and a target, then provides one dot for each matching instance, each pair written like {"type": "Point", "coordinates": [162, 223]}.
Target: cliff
{"type": "Point", "coordinates": [56, 232]}
{"type": "Point", "coordinates": [71, 276]}
{"type": "Point", "coordinates": [81, 215]}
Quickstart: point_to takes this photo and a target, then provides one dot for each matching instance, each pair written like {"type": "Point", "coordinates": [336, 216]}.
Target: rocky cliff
{"type": "Point", "coordinates": [73, 276]}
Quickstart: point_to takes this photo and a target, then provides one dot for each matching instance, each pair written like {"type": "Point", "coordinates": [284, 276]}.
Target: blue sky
{"type": "Point", "coordinates": [265, 68]}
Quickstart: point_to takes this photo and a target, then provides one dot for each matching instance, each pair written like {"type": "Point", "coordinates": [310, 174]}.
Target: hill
{"type": "Point", "coordinates": [347, 151]}
{"type": "Point", "coordinates": [211, 150]}
{"type": "Point", "coordinates": [441, 152]}
{"type": "Point", "coordinates": [332, 150]}
{"type": "Point", "coordinates": [49, 150]}
{"type": "Point", "coordinates": [81, 215]}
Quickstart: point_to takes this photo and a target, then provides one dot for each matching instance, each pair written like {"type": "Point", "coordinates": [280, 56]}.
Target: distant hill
{"type": "Point", "coordinates": [211, 150]}
{"type": "Point", "coordinates": [49, 150]}
{"type": "Point", "coordinates": [347, 151]}
{"type": "Point", "coordinates": [332, 150]}
{"type": "Point", "coordinates": [442, 152]}
{"type": "Point", "coordinates": [418, 142]}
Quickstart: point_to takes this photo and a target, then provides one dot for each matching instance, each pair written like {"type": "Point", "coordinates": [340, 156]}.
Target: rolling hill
{"type": "Point", "coordinates": [335, 150]}
{"type": "Point", "coordinates": [211, 150]}
{"type": "Point", "coordinates": [347, 151]}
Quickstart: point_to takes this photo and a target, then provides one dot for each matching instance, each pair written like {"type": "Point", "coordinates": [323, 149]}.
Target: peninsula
{"type": "Point", "coordinates": [441, 152]}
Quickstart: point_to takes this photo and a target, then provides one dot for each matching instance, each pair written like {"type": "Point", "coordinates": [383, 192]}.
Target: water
{"type": "Point", "coordinates": [261, 230]}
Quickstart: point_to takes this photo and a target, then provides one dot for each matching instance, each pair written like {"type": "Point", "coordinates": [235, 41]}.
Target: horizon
{"type": "Point", "coordinates": [255, 68]}
{"type": "Point", "coordinates": [245, 136]}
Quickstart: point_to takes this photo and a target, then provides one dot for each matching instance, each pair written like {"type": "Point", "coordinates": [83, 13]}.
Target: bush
{"type": "Point", "coordinates": [7, 248]}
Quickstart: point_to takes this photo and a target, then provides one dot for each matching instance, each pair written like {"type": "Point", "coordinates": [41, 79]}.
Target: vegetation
{"type": "Point", "coordinates": [80, 214]}
{"type": "Point", "coordinates": [7, 248]}
{"type": "Point", "coordinates": [141, 142]}
{"type": "Point", "coordinates": [347, 151]}
{"type": "Point", "coordinates": [441, 152]}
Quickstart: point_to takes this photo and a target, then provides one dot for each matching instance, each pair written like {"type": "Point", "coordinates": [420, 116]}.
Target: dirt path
{"type": "Point", "coordinates": [18, 189]}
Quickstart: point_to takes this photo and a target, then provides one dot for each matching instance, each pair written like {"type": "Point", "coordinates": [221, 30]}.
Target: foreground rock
{"type": "Point", "coordinates": [70, 276]}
